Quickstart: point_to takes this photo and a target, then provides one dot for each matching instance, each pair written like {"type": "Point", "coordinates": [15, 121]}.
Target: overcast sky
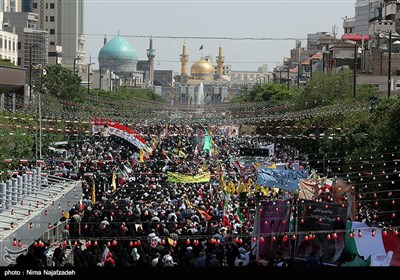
{"type": "Point", "coordinates": [228, 19]}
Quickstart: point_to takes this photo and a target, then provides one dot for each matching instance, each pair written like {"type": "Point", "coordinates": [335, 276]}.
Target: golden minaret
{"type": "Point", "coordinates": [184, 61]}
{"type": "Point", "coordinates": [220, 61]}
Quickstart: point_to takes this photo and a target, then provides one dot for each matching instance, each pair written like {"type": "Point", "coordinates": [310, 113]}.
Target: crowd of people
{"type": "Point", "coordinates": [131, 214]}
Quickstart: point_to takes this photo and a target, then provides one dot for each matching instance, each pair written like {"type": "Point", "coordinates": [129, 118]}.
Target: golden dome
{"type": "Point", "coordinates": [202, 67]}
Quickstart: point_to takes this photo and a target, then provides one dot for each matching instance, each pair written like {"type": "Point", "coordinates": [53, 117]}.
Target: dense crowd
{"type": "Point", "coordinates": [131, 215]}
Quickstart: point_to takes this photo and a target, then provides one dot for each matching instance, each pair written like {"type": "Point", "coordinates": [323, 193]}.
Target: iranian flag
{"type": "Point", "coordinates": [239, 216]}
{"type": "Point", "coordinates": [381, 246]}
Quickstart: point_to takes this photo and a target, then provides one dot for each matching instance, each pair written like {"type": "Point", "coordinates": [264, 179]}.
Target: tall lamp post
{"type": "Point", "coordinates": [355, 71]}
{"type": "Point", "coordinates": [389, 64]}
{"type": "Point", "coordinates": [30, 69]}
{"type": "Point", "coordinates": [88, 77]}
{"type": "Point", "coordinates": [75, 59]}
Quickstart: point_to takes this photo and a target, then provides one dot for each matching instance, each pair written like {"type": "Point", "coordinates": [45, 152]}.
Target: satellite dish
{"type": "Point", "coordinates": [44, 72]}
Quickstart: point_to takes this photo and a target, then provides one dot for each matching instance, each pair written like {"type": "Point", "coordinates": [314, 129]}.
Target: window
{"type": "Point", "coordinates": [5, 43]}
{"type": "Point", "coordinates": [47, 18]}
{"type": "Point", "coordinates": [19, 61]}
{"type": "Point", "coordinates": [47, 5]}
{"type": "Point", "coordinates": [9, 45]}
{"type": "Point", "coordinates": [52, 31]}
{"type": "Point", "coordinates": [34, 5]}
{"type": "Point", "coordinates": [13, 45]}
{"type": "Point", "coordinates": [19, 45]}
{"type": "Point", "coordinates": [51, 18]}
{"type": "Point", "coordinates": [52, 43]}
{"type": "Point", "coordinates": [52, 6]}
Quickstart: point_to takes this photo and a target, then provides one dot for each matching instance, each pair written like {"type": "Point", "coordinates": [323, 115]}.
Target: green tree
{"type": "Point", "coordinates": [272, 93]}
{"type": "Point", "coordinates": [59, 81]}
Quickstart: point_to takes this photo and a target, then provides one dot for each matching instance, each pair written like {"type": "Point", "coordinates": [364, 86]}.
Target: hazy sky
{"type": "Point", "coordinates": [224, 19]}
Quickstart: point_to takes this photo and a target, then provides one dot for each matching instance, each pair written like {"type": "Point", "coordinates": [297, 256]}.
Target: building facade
{"type": "Point", "coordinates": [25, 26]}
{"type": "Point", "coordinates": [64, 21]}
{"type": "Point", "coordinates": [8, 46]}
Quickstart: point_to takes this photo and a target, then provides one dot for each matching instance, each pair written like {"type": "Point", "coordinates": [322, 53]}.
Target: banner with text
{"type": "Point", "coordinates": [182, 178]}
{"type": "Point", "coordinates": [280, 178]}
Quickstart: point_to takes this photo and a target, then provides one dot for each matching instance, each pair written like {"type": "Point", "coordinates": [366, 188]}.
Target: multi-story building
{"type": "Point", "coordinates": [25, 26]}
{"type": "Point", "coordinates": [63, 20]}
{"type": "Point", "coordinates": [8, 46]}
{"type": "Point", "coordinates": [8, 42]}
{"type": "Point", "coordinates": [365, 10]}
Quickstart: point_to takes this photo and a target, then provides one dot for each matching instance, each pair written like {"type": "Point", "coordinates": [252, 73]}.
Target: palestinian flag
{"type": "Point", "coordinates": [383, 249]}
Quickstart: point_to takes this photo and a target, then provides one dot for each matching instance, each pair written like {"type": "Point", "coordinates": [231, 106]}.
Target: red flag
{"type": "Point", "coordinates": [226, 222]}
{"type": "Point", "coordinates": [204, 214]}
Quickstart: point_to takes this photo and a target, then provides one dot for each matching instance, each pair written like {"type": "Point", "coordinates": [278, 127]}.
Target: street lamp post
{"type": "Point", "coordinates": [389, 64]}
{"type": "Point", "coordinates": [75, 59]}
{"type": "Point", "coordinates": [355, 71]}
{"type": "Point", "coordinates": [30, 69]}
{"type": "Point", "coordinates": [88, 77]}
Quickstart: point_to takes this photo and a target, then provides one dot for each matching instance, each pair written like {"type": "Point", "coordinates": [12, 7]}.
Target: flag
{"type": "Point", "coordinates": [231, 187]}
{"type": "Point", "coordinates": [187, 201]}
{"type": "Point", "coordinates": [226, 197]}
{"type": "Point", "coordinates": [105, 254]}
{"type": "Point", "coordinates": [66, 215]}
{"type": "Point", "coordinates": [226, 222]}
{"type": "Point", "coordinates": [114, 182]}
{"type": "Point", "coordinates": [94, 192]}
{"type": "Point", "coordinates": [204, 214]}
{"type": "Point", "coordinates": [238, 167]}
{"type": "Point", "coordinates": [239, 216]}
{"type": "Point", "coordinates": [141, 155]}
{"type": "Point", "coordinates": [201, 47]}
{"type": "Point", "coordinates": [207, 141]}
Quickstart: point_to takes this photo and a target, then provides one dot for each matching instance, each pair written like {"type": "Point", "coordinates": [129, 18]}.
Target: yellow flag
{"type": "Point", "coordinates": [66, 215]}
{"type": "Point", "coordinates": [141, 155]}
{"type": "Point", "coordinates": [114, 182]}
{"type": "Point", "coordinates": [241, 187]}
{"type": "Point", "coordinates": [231, 187]}
{"type": "Point", "coordinates": [94, 192]}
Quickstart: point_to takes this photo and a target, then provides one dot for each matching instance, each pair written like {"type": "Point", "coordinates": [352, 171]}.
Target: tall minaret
{"type": "Point", "coordinates": [151, 53]}
{"type": "Point", "coordinates": [220, 61]}
{"type": "Point", "coordinates": [184, 61]}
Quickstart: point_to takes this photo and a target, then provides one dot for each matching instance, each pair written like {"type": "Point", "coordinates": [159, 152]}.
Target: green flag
{"type": "Point", "coordinates": [239, 216]}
